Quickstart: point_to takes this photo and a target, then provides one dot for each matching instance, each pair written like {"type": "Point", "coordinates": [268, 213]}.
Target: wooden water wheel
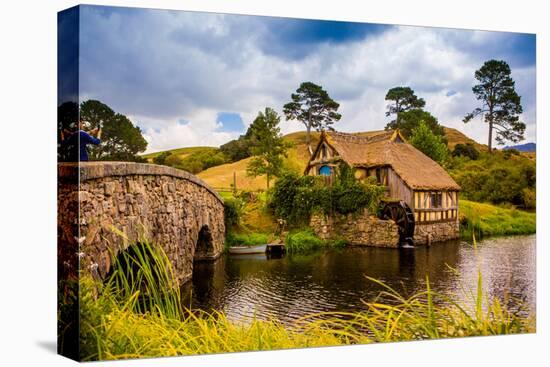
{"type": "Point", "coordinates": [403, 216]}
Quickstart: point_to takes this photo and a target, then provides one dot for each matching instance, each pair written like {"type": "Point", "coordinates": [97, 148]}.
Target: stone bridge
{"type": "Point", "coordinates": [104, 207]}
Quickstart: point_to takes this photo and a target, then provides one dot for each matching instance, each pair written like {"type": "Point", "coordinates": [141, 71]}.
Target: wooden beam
{"type": "Point", "coordinates": [435, 209]}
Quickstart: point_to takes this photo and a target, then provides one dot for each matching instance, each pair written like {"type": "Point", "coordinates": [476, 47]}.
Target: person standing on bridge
{"type": "Point", "coordinates": [80, 138]}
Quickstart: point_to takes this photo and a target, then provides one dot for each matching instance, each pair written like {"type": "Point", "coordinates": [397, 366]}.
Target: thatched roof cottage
{"type": "Point", "coordinates": [410, 176]}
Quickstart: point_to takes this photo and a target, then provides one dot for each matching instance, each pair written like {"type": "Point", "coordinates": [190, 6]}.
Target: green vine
{"type": "Point", "coordinates": [295, 198]}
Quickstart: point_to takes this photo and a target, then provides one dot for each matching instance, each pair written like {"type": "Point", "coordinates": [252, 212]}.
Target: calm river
{"type": "Point", "coordinates": [333, 280]}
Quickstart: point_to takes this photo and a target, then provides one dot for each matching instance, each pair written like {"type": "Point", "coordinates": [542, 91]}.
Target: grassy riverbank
{"type": "Point", "coordinates": [137, 314]}
{"type": "Point", "coordinates": [482, 219]}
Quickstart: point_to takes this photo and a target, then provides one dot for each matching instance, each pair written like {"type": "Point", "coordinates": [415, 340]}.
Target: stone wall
{"type": "Point", "coordinates": [435, 232]}
{"type": "Point", "coordinates": [357, 229]}
{"type": "Point", "coordinates": [169, 207]}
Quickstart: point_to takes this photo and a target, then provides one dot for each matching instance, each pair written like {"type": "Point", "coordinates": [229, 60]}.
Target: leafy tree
{"type": "Point", "coordinates": [501, 105]}
{"type": "Point", "coordinates": [120, 139]}
{"type": "Point", "coordinates": [67, 117]}
{"type": "Point", "coordinates": [403, 99]}
{"type": "Point", "coordinates": [195, 161]}
{"type": "Point", "coordinates": [497, 179]}
{"type": "Point", "coordinates": [270, 147]}
{"type": "Point", "coordinates": [240, 148]}
{"type": "Point", "coordinates": [466, 150]}
{"type": "Point", "coordinates": [410, 119]}
{"type": "Point", "coordinates": [233, 212]}
{"type": "Point", "coordinates": [312, 106]}
{"type": "Point", "coordinates": [161, 158]}
{"type": "Point", "coordinates": [427, 142]}
{"type": "Point", "coordinates": [236, 149]}
{"type": "Point", "coordinates": [199, 161]}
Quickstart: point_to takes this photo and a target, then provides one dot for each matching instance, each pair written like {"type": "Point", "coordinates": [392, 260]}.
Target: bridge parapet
{"type": "Point", "coordinates": [172, 208]}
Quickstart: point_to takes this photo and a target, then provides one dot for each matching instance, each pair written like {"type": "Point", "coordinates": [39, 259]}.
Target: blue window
{"type": "Point", "coordinates": [325, 171]}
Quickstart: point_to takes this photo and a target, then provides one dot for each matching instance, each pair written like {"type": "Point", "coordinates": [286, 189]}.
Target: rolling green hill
{"type": "Point", "coordinates": [192, 159]}
{"type": "Point", "coordinates": [180, 152]}
{"type": "Point", "coordinates": [222, 176]}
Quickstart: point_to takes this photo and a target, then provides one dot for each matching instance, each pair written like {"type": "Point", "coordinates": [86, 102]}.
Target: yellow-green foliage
{"type": "Point", "coordinates": [304, 240]}
{"type": "Point", "coordinates": [114, 331]}
{"type": "Point", "coordinates": [182, 152]}
{"type": "Point", "coordinates": [488, 220]}
{"type": "Point", "coordinates": [124, 334]}
{"type": "Point", "coordinates": [115, 326]}
{"type": "Point", "coordinates": [500, 177]}
{"type": "Point", "coordinates": [194, 159]}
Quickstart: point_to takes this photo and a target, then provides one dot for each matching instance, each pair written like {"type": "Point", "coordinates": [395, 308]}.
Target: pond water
{"type": "Point", "coordinates": [334, 280]}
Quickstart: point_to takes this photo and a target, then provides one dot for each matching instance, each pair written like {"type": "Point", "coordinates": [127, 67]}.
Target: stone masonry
{"type": "Point", "coordinates": [435, 232]}
{"type": "Point", "coordinates": [116, 204]}
{"type": "Point", "coordinates": [357, 229]}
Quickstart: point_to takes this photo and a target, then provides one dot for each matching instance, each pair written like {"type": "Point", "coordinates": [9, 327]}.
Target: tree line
{"type": "Point", "coordinates": [312, 106]}
{"type": "Point", "coordinates": [121, 140]}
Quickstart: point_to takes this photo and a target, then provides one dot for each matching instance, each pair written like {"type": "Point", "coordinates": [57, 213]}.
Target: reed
{"type": "Point", "coordinates": [116, 324]}
{"type": "Point", "coordinates": [145, 273]}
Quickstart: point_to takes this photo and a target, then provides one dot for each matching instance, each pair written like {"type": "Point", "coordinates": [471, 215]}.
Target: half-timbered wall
{"type": "Point", "coordinates": [324, 156]}
{"type": "Point", "coordinates": [435, 206]}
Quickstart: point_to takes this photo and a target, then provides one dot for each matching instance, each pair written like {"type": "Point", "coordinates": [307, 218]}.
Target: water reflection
{"type": "Point", "coordinates": [334, 280]}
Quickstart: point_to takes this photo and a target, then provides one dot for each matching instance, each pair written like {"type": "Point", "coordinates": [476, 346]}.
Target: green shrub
{"type": "Point", "coordinates": [423, 139]}
{"type": "Point", "coordinates": [236, 149]}
{"type": "Point", "coordinates": [508, 153]}
{"type": "Point", "coordinates": [466, 150]}
{"type": "Point", "coordinates": [233, 210]}
{"type": "Point", "coordinates": [194, 161]}
{"type": "Point", "coordinates": [246, 239]}
{"type": "Point", "coordinates": [496, 179]}
{"type": "Point", "coordinates": [303, 241]}
{"type": "Point", "coordinates": [161, 158]}
{"type": "Point", "coordinates": [294, 198]}
{"type": "Point", "coordinates": [529, 197]}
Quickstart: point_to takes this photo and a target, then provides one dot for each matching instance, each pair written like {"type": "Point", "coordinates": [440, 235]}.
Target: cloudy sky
{"type": "Point", "coordinates": [188, 78]}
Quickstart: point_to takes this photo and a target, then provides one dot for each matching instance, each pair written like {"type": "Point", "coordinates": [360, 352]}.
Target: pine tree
{"type": "Point", "coordinates": [312, 106]}
{"type": "Point", "coordinates": [501, 105]}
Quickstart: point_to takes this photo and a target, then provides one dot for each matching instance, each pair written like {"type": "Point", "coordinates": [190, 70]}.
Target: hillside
{"type": "Point", "coordinates": [180, 152]}
{"type": "Point", "coordinates": [193, 159]}
{"type": "Point", "coordinates": [455, 137]}
{"type": "Point", "coordinates": [221, 177]}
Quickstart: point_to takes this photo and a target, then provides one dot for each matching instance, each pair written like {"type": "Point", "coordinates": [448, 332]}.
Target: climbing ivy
{"type": "Point", "coordinates": [295, 198]}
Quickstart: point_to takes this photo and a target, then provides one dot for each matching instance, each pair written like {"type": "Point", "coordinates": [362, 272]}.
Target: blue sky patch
{"type": "Point", "coordinates": [231, 122]}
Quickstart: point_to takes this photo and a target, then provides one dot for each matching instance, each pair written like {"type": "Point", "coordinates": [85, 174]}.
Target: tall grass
{"type": "Point", "coordinates": [482, 220]}
{"type": "Point", "coordinates": [305, 240]}
{"type": "Point", "coordinates": [145, 273]}
{"type": "Point", "coordinates": [115, 324]}
{"type": "Point", "coordinates": [246, 239]}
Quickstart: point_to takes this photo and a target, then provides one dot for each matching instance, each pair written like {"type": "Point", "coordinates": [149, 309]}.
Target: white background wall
{"type": "Point", "coordinates": [28, 181]}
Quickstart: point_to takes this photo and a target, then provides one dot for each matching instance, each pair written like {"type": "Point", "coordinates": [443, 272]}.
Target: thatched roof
{"type": "Point", "coordinates": [380, 148]}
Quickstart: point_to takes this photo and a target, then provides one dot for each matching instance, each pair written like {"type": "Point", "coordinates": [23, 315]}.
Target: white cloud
{"type": "Point", "coordinates": [201, 129]}
{"type": "Point", "coordinates": [165, 67]}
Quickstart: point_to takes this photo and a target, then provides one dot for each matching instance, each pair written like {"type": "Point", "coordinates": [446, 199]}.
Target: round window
{"type": "Point", "coordinates": [325, 171]}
